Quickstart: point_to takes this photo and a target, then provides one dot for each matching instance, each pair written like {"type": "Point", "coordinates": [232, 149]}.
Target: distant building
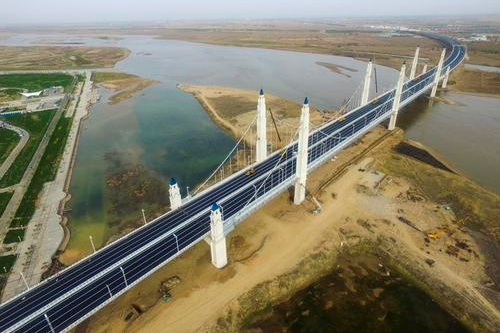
{"type": "Point", "coordinates": [53, 91]}
{"type": "Point", "coordinates": [26, 95]}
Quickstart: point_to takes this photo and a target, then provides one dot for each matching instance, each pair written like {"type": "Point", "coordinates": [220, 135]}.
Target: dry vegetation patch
{"type": "Point", "coordinates": [59, 57]}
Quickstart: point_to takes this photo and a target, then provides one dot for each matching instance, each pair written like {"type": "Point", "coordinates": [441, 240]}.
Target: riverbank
{"type": "Point", "coordinates": [373, 200]}
{"type": "Point", "coordinates": [45, 237]}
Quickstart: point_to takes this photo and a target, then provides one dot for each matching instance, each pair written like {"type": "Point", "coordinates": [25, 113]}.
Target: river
{"type": "Point", "coordinates": [163, 132]}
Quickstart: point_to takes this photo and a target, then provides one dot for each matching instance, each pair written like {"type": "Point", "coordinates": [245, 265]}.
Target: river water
{"type": "Point", "coordinates": [163, 132]}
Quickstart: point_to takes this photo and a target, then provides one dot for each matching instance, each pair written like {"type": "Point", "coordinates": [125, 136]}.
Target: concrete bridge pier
{"type": "Point", "coordinates": [397, 98]}
{"type": "Point", "coordinates": [261, 138]}
{"type": "Point", "coordinates": [174, 194]}
{"type": "Point", "coordinates": [414, 63]}
{"type": "Point", "coordinates": [366, 86]}
{"type": "Point", "coordinates": [437, 78]}
{"type": "Point", "coordinates": [446, 77]}
{"type": "Point", "coordinates": [217, 238]}
{"type": "Point", "coordinates": [301, 170]}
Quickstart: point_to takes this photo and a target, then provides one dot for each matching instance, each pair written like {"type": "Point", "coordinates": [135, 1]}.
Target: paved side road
{"type": "Point", "coordinates": [13, 154]}
{"type": "Point", "coordinates": [44, 232]}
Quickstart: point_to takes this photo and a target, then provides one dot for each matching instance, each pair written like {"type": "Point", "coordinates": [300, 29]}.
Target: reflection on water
{"type": "Point", "coordinates": [128, 151]}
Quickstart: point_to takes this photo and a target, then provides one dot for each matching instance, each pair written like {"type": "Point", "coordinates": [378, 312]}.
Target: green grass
{"type": "Point", "coordinates": [4, 200]}
{"type": "Point", "coordinates": [14, 235]}
{"type": "Point", "coordinates": [98, 77]}
{"type": "Point", "coordinates": [7, 262]}
{"type": "Point", "coordinates": [8, 141]}
{"type": "Point", "coordinates": [35, 82]}
{"type": "Point", "coordinates": [36, 124]}
{"type": "Point", "coordinates": [46, 172]}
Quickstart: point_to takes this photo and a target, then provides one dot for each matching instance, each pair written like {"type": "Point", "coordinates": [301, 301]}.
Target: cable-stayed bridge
{"type": "Point", "coordinates": [67, 298]}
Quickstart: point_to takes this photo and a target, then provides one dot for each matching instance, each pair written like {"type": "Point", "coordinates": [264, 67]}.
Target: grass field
{"type": "Point", "coordinates": [45, 172]}
{"type": "Point", "coordinates": [36, 124]}
{"type": "Point", "coordinates": [35, 82]}
{"type": "Point", "coordinates": [98, 77]}
{"type": "Point", "coordinates": [6, 262]}
{"type": "Point", "coordinates": [14, 235]}
{"type": "Point", "coordinates": [8, 141]}
{"type": "Point", "coordinates": [4, 200]}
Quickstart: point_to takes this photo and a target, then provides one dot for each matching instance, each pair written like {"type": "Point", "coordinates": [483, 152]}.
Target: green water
{"type": "Point", "coordinates": [159, 134]}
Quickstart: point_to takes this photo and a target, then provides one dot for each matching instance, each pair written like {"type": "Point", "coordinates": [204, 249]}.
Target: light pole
{"type": "Point", "coordinates": [124, 277]}
{"type": "Point", "coordinates": [92, 243]}
{"type": "Point", "coordinates": [24, 280]}
{"type": "Point", "coordinates": [143, 216]}
{"type": "Point", "coordinates": [176, 242]}
{"type": "Point", "coordinates": [109, 290]}
{"type": "Point", "coordinates": [48, 322]}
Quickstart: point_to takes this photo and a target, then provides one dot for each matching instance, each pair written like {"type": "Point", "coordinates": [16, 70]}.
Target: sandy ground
{"type": "Point", "coordinates": [234, 109]}
{"type": "Point", "coordinates": [45, 232]}
{"type": "Point", "coordinates": [283, 247]}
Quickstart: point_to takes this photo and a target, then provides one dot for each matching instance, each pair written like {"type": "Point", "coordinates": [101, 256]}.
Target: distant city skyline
{"type": "Point", "coordinates": [88, 11]}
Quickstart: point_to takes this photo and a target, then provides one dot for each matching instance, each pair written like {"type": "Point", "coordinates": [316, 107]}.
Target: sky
{"type": "Point", "coordinates": [83, 11]}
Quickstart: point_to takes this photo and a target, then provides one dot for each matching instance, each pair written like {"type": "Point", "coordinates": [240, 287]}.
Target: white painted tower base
{"type": "Point", "coordinates": [366, 86]}
{"type": "Point", "coordinates": [446, 77]}
{"type": "Point", "coordinates": [261, 139]}
{"type": "Point", "coordinates": [397, 98]}
{"type": "Point", "coordinates": [174, 194]}
{"type": "Point", "coordinates": [414, 64]}
{"type": "Point", "coordinates": [437, 78]}
{"type": "Point", "coordinates": [217, 238]}
{"type": "Point", "coordinates": [424, 70]}
{"type": "Point", "coordinates": [301, 170]}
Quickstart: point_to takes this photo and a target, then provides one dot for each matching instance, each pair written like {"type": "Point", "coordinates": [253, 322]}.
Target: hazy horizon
{"type": "Point", "coordinates": [93, 11]}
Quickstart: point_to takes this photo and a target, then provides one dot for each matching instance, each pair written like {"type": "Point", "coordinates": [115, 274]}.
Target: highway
{"type": "Point", "coordinates": [65, 299]}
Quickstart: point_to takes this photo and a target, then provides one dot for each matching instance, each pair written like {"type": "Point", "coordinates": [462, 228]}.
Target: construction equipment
{"type": "Point", "coordinates": [435, 234]}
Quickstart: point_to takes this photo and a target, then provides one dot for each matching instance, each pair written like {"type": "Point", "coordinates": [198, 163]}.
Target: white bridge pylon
{"type": "Point", "coordinates": [218, 248]}
{"type": "Point", "coordinates": [437, 78]}
{"type": "Point", "coordinates": [366, 86]}
{"type": "Point", "coordinates": [414, 64]}
{"type": "Point", "coordinates": [301, 168]}
{"type": "Point", "coordinates": [174, 194]}
{"type": "Point", "coordinates": [261, 137]}
{"type": "Point", "coordinates": [397, 98]}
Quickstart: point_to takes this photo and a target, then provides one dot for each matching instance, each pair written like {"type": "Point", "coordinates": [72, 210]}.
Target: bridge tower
{"type": "Point", "coordinates": [437, 78]}
{"type": "Point", "coordinates": [174, 194]}
{"type": "Point", "coordinates": [301, 169]}
{"type": "Point", "coordinates": [424, 70]}
{"type": "Point", "coordinates": [261, 140]}
{"type": "Point", "coordinates": [366, 86]}
{"type": "Point", "coordinates": [414, 63]}
{"type": "Point", "coordinates": [397, 98]}
{"type": "Point", "coordinates": [446, 77]}
{"type": "Point", "coordinates": [217, 237]}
